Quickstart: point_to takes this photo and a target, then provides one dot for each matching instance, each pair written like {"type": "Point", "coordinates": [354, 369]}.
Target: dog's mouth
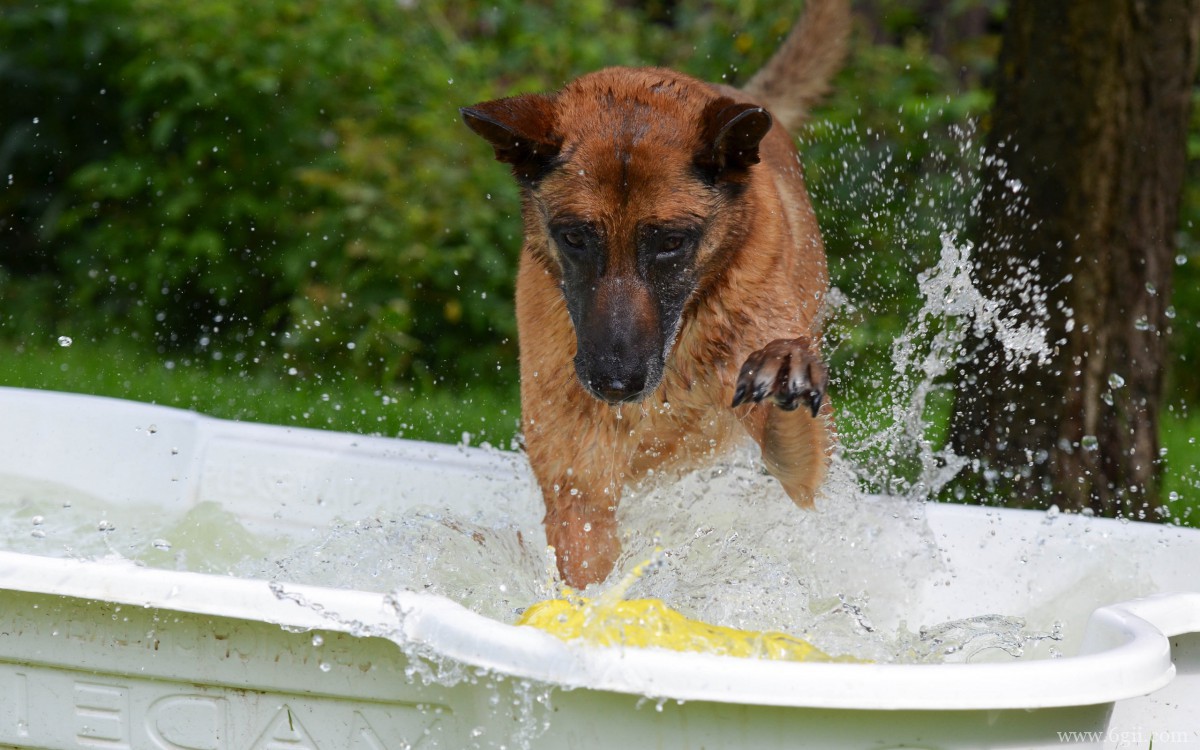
{"type": "Point", "coordinates": [616, 392]}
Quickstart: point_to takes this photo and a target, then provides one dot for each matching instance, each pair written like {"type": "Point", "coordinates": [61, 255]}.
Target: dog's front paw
{"type": "Point", "coordinates": [785, 371]}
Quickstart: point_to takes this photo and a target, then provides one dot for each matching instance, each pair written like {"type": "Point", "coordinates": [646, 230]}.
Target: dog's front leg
{"type": "Point", "coordinates": [581, 524]}
{"type": "Point", "coordinates": [779, 378]}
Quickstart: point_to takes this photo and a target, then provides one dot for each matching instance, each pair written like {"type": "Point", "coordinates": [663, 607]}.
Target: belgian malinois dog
{"type": "Point", "coordinates": [670, 280]}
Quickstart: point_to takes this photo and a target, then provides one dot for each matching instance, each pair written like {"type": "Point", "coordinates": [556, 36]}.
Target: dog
{"type": "Point", "coordinates": [670, 281]}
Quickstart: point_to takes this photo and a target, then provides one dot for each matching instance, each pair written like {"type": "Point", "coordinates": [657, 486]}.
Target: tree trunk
{"type": "Point", "coordinates": [1089, 127]}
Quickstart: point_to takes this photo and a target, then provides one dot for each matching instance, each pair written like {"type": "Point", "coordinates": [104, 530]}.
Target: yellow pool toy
{"type": "Point", "coordinates": [611, 620]}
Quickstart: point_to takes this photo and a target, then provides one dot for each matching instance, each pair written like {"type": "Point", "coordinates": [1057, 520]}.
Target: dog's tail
{"type": "Point", "coordinates": [797, 75]}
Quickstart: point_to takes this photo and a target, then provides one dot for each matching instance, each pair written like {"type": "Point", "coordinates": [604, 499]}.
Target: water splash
{"type": "Point", "coordinates": [955, 316]}
{"type": "Point", "coordinates": [982, 638]}
{"type": "Point", "coordinates": [489, 564]}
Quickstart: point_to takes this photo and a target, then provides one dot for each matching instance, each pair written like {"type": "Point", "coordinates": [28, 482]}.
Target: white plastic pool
{"type": "Point", "coordinates": [109, 654]}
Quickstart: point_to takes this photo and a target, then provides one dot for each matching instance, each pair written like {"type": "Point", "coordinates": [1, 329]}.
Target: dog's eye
{"type": "Point", "coordinates": [574, 238]}
{"type": "Point", "coordinates": [671, 245]}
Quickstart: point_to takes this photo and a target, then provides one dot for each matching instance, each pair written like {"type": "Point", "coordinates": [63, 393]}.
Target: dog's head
{"type": "Point", "coordinates": [633, 183]}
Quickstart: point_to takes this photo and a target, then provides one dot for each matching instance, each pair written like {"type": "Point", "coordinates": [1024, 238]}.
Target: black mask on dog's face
{"type": "Point", "coordinates": [626, 303]}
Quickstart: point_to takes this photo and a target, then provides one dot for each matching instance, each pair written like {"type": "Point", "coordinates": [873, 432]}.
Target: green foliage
{"type": "Point", "coordinates": [53, 86]}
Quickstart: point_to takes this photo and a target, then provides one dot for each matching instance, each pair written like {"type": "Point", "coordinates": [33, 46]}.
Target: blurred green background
{"type": "Point", "coordinates": [269, 210]}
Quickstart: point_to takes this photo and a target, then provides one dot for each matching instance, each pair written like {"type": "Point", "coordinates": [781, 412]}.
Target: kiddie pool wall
{"type": "Point", "coordinates": [109, 654]}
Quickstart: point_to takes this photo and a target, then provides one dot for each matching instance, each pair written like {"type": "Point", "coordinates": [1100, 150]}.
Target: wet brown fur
{"type": "Point", "coordinates": [760, 278]}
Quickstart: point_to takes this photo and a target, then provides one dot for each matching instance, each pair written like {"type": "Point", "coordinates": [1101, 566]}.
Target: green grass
{"type": "Point", "coordinates": [266, 392]}
{"type": "Point", "coordinates": [1180, 440]}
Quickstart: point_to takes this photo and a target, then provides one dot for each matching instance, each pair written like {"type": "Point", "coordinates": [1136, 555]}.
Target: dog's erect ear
{"type": "Point", "coordinates": [730, 136]}
{"type": "Point", "coordinates": [521, 130]}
